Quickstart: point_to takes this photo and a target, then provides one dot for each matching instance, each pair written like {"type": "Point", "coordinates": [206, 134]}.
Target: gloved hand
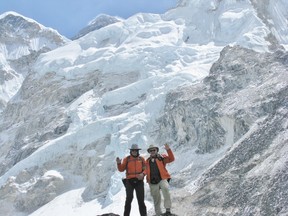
{"type": "Point", "coordinates": [118, 160]}
{"type": "Point", "coordinates": [140, 176]}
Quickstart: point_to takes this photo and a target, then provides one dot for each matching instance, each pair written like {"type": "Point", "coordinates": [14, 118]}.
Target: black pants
{"type": "Point", "coordinates": [130, 185]}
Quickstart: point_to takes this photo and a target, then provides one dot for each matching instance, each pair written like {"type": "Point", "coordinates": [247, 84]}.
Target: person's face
{"type": "Point", "coordinates": [153, 151]}
{"type": "Point", "coordinates": [134, 152]}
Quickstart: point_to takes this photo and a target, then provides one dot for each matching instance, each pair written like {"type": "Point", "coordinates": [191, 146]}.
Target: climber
{"type": "Point", "coordinates": [134, 164]}
{"type": "Point", "coordinates": [158, 177]}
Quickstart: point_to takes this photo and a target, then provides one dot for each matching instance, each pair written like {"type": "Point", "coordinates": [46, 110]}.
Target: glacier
{"type": "Point", "coordinates": [208, 77]}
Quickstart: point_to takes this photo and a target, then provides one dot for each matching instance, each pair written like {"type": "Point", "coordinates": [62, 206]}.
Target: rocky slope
{"type": "Point", "coordinates": [146, 80]}
{"type": "Point", "coordinates": [248, 90]}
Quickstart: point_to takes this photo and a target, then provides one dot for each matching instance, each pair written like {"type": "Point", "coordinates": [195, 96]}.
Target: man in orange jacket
{"type": "Point", "coordinates": [134, 165]}
{"type": "Point", "coordinates": [158, 177]}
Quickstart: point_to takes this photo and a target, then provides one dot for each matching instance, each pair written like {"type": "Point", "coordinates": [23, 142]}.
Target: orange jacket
{"type": "Point", "coordinates": [132, 165]}
{"type": "Point", "coordinates": [161, 165]}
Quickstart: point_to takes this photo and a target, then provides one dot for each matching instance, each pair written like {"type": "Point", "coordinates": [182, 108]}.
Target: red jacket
{"type": "Point", "coordinates": [132, 165]}
{"type": "Point", "coordinates": [161, 165]}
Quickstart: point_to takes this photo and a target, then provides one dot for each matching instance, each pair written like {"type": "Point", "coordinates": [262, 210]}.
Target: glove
{"type": "Point", "coordinates": [140, 176]}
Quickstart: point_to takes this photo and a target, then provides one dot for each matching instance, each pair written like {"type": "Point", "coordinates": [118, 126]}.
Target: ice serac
{"type": "Point", "coordinates": [254, 24]}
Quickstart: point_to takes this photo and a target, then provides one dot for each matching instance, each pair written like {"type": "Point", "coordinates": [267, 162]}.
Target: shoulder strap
{"type": "Point", "coordinates": [127, 161]}
{"type": "Point", "coordinates": [160, 157]}
{"type": "Point", "coordinates": [143, 163]}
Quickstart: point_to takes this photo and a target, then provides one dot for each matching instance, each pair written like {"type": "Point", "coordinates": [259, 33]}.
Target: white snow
{"type": "Point", "coordinates": [11, 85]}
{"type": "Point", "coordinates": [154, 48]}
{"type": "Point", "coordinates": [71, 204]}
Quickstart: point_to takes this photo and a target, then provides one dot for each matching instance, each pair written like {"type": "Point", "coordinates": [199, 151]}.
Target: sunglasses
{"type": "Point", "coordinates": [152, 150]}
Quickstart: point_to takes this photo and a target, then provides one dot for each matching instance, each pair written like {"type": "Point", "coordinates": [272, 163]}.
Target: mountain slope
{"type": "Point", "coordinates": [153, 79]}
{"type": "Point", "coordinates": [22, 40]}
{"type": "Point", "coordinates": [250, 177]}
{"type": "Point", "coordinates": [100, 21]}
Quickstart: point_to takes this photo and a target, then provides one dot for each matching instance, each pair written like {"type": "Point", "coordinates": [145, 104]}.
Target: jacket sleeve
{"type": "Point", "coordinates": [170, 158]}
{"type": "Point", "coordinates": [122, 166]}
{"type": "Point", "coordinates": [146, 167]}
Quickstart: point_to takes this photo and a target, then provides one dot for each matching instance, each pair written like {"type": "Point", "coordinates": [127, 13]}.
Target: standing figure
{"type": "Point", "coordinates": [158, 177]}
{"type": "Point", "coordinates": [134, 164]}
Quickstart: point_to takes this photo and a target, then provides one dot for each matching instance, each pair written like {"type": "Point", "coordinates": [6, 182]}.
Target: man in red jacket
{"type": "Point", "coordinates": [158, 177]}
{"type": "Point", "coordinates": [134, 165]}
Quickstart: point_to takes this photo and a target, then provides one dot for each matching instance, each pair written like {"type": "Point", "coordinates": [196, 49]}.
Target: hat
{"type": "Point", "coordinates": [134, 147]}
{"type": "Point", "coordinates": [152, 147]}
